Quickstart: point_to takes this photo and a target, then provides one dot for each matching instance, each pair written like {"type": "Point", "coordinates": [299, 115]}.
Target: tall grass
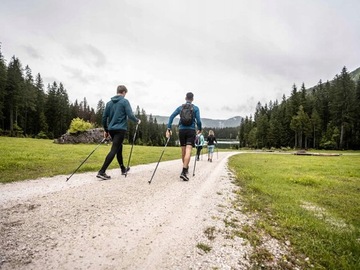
{"type": "Point", "coordinates": [22, 158]}
{"type": "Point", "coordinates": [311, 201]}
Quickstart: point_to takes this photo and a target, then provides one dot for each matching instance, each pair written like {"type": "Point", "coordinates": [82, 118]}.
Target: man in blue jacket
{"type": "Point", "coordinates": [189, 117]}
{"type": "Point", "coordinates": [114, 121]}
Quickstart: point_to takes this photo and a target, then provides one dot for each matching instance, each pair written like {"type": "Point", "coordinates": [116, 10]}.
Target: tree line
{"type": "Point", "coordinates": [326, 116]}
{"type": "Point", "coordinates": [29, 109]}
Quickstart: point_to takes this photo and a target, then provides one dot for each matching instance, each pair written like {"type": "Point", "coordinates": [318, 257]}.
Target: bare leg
{"type": "Point", "coordinates": [186, 155]}
{"type": "Point", "coordinates": [183, 151]}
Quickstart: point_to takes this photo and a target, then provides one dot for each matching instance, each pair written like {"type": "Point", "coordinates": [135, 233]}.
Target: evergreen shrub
{"type": "Point", "coordinates": [79, 125]}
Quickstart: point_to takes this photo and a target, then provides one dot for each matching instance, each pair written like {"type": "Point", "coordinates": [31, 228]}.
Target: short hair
{"type": "Point", "coordinates": [189, 96]}
{"type": "Point", "coordinates": [121, 89]}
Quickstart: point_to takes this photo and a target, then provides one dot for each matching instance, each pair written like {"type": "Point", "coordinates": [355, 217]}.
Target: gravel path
{"type": "Point", "coordinates": [123, 223]}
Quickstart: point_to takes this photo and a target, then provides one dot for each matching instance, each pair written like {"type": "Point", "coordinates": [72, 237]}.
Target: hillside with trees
{"type": "Point", "coordinates": [28, 108]}
{"type": "Point", "coordinates": [326, 116]}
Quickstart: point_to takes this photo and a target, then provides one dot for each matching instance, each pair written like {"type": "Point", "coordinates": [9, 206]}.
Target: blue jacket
{"type": "Point", "coordinates": [201, 140]}
{"type": "Point", "coordinates": [116, 114]}
{"type": "Point", "coordinates": [196, 119]}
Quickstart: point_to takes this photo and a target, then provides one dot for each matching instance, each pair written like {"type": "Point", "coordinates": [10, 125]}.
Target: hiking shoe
{"type": "Point", "coordinates": [184, 177]}
{"type": "Point", "coordinates": [125, 170]}
{"type": "Point", "coordinates": [103, 176]}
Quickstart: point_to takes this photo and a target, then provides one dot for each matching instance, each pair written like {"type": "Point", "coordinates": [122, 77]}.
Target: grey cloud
{"type": "Point", "coordinates": [33, 53]}
{"type": "Point", "coordinates": [88, 54]}
{"type": "Point", "coordinates": [241, 109]}
{"type": "Point", "coordinates": [140, 83]}
{"type": "Point", "coordinates": [49, 80]}
{"type": "Point", "coordinates": [79, 75]}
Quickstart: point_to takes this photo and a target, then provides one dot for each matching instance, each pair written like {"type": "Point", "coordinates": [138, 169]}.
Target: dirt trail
{"type": "Point", "coordinates": [122, 223]}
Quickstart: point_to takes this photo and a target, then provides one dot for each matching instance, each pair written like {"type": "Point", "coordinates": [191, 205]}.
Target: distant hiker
{"type": "Point", "coordinates": [199, 143]}
{"type": "Point", "coordinates": [211, 140]}
{"type": "Point", "coordinates": [189, 117]}
{"type": "Point", "coordinates": [114, 120]}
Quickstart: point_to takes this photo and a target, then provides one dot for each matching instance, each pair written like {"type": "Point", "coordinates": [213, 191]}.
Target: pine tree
{"type": "Point", "coordinates": [28, 97]}
{"type": "Point", "coordinates": [356, 133]}
{"type": "Point", "coordinates": [262, 125]}
{"type": "Point", "coordinates": [63, 110]}
{"type": "Point", "coordinates": [40, 125]}
{"type": "Point", "coordinates": [285, 131]}
{"type": "Point", "coordinates": [275, 128]}
{"type": "Point", "coordinates": [342, 104]}
{"type": "Point", "coordinates": [292, 107]}
{"type": "Point", "coordinates": [99, 112]}
{"type": "Point", "coordinates": [13, 91]}
{"type": "Point", "coordinates": [242, 142]}
{"type": "Point", "coordinates": [57, 110]}
{"type": "Point", "coordinates": [3, 78]}
{"type": "Point", "coordinates": [51, 109]}
{"type": "Point", "coordinates": [75, 110]}
{"type": "Point", "coordinates": [316, 126]}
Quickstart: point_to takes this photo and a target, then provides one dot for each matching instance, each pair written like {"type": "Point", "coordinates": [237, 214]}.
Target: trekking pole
{"type": "Point", "coordinates": [159, 159]}
{"type": "Point", "coordinates": [103, 140]}
{"type": "Point", "coordinates": [194, 164]}
{"type": "Point", "coordinates": [132, 146]}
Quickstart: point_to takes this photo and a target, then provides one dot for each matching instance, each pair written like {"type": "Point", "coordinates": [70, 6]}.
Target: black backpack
{"type": "Point", "coordinates": [187, 114]}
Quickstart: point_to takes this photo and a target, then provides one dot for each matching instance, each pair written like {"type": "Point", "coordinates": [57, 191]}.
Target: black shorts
{"type": "Point", "coordinates": [187, 137]}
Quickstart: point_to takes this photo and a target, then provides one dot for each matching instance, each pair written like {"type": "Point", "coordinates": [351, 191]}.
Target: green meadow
{"type": "Point", "coordinates": [22, 159]}
{"type": "Point", "coordinates": [311, 202]}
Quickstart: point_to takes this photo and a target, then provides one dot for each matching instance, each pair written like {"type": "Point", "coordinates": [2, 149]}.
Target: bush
{"type": "Point", "coordinates": [328, 145]}
{"type": "Point", "coordinates": [41, 135]}
{"type": "Point", "coordinates": [79, 125]}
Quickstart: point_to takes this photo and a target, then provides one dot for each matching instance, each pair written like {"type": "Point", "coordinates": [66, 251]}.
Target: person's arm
{"type": "Point", "coordinates": [172, 116]}
{"type": "Point", "coordinates": [198, 119]}
{"type": "Point", "coordinates": [130, 113]}
{"type": "Point", "coordinates": [105, 123]}
{"type": "Point", "coordinates": [105, 118]}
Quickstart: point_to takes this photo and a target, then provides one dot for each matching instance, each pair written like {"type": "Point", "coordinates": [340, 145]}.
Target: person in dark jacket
{"type": "Point", "coordinates": [187, 133]}
{"type": "Point", "coordinates": [114, 120]}
{"type": "Point", "coordinates": [211, 141]}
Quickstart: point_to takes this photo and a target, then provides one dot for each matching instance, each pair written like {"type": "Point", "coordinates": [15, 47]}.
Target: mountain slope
{"type": "Point", "coordinates": [206, 122]}
{"type": "Point", "coordinates": [355, 75]}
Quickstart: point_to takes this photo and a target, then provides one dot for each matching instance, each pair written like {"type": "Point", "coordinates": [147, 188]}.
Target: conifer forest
{"type": "Point", "coordinates": [326, 116]}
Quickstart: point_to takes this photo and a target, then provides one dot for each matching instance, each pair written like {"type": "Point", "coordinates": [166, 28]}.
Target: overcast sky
{"type": "Point", "coordinates": [230, 54]}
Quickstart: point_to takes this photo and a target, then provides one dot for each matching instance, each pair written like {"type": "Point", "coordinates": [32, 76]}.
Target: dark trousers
{"type": "Point", "coordinates": [198, 150]}
{"type": "Point", "coordinates": [116, 149]}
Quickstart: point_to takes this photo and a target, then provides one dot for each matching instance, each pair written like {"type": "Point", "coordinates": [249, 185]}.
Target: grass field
{"type": "Point", "coordinates": [22, 159]}
{"type": "Point", "coordinates": [311, 201]}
